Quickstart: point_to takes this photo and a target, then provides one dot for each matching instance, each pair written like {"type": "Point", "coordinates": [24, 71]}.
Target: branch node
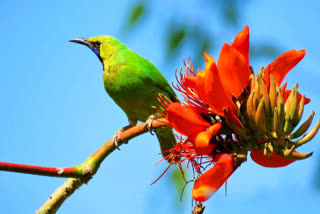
{"type": "Point", "coordinates": [87, 173]}
{"type": "Point", "coordinates": [198, 209]}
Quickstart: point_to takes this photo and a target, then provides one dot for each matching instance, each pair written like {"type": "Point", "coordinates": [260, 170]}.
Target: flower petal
{"type": "Point", "coordinates": [241, 42]}
{"type": "Point", "coordinates": [266, 78]}
{"type": "Point", "coordinates": [280, 67]}
{"type": "Point", "coordinates": [200, 85]}
{"type": "Point", "coordinates": [274, 161]}
{"type": "Point", "coordinates": [185, 120]}
{"type": "Point", "coordinates": [209, 182]}
{"type": "Point", "coordinates": [189, 82]}
{"type": "Point", "coordinates": [215, 128]}
{"type": "Point", "coordinates": [231, 116]}
{"type": "Point", "coordinates": [215, 91]}
{"type": "Point", "coordinates": [233, 69]}
{"type": "Point", "coordinates": [202, 143]}
{"type": "Point", "coordinates": [209, 61]}
{"type": "Point", "coordinates": [283, 87]}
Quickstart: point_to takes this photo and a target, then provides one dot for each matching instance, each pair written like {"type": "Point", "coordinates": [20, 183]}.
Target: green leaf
{"type": "Point", "coordinates": [176, 36]}
{"type": "Point", "coordinates": [136, 13]}
{"type": "Point", "coordinates": [177, 179]}
{"type": "Point", "coordinates": [231, 15]}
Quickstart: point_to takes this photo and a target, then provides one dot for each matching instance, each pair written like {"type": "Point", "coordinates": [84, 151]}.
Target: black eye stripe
{"type": "Point", "coordinates": [96, 44]}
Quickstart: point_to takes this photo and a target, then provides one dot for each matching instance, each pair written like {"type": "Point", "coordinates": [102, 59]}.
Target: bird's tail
{"type": "Point", "coordinates": [166, 139]}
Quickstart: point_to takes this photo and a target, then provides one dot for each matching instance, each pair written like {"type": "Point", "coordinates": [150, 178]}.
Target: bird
{"type": "Point", "coordinates": [132, 82]}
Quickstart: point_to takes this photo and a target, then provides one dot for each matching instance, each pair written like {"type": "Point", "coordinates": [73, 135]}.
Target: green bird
{"type": "Point", "coordinates": [131, 81]}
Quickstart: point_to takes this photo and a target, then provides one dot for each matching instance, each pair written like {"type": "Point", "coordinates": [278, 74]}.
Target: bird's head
{"type": "Point", "coordinates": [102, 46]}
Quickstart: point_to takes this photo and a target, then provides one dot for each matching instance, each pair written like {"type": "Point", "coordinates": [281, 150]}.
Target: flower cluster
{"type": "Point", "coordinates": [229, 111]}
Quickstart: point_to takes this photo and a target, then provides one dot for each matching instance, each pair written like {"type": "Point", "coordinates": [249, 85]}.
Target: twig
{"type": "Point", "coordinates": [39, 170]}
{"type": "Point", "coordinates": [90, 167]}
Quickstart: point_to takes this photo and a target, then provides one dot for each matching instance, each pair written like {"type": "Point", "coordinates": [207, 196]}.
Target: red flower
{"type": "Point", "coordinates": [209, 182]}
{"type": "Point", "coordinates": [190, 82]}
{"type": "Point", "coordinates": [279, 69]}
{"type": "Point", "coordinates": [189, 86]}
{"type": "Point", "coordinates": [200, 81]}
{"type": "Point", "coordinates": [282, 65]}
{"type": "Point", "coordinates": [202, 140]}
{"type": "Point", "coordinates": [229, 77]}
{"type": "Point", "coordinates": [187, 121]}
{"type": "Point", "coordinates": [256, 116]}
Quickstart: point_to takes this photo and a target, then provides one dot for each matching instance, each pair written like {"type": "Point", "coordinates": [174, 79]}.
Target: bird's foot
{"type": "Point", "coordinates": [148, 124]}
{"type": "Point", "coordinates": [116, 137]}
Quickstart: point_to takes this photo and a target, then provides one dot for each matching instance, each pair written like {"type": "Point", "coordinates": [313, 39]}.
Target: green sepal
{"type": "Point", "coordinates": [303, 128]}
{"type": "Point", "coordinates": [260, 118]}
{"type": "Point", "coordinates": [299, 112]}
{"type": "Point", "coordinates": [307, 137]}
{"type": "Point", "coordinates": [239, 130]}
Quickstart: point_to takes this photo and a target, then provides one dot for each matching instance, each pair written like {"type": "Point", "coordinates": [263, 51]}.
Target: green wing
{"type": "Point", "coordinates": [160, 84]}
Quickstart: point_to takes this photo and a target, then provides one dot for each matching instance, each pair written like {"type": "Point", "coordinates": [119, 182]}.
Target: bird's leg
{"type": "Point", "coordinates": [116, 137]}
{"type": "Point", "coordinates": [148, 123]}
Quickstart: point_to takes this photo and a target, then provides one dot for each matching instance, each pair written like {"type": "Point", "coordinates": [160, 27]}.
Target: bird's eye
{"type": "Point", "coordinates": [98, 43]}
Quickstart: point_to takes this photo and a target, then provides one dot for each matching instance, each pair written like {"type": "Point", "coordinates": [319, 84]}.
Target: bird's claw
{"type": "Point", "coordinates": [148, 124]}
{"type": "Point", "coordinates": [116, 138]}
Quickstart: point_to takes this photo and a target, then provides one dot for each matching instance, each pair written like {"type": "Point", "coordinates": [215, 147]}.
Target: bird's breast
{"type": "Point", "coordinates": [131, 93]}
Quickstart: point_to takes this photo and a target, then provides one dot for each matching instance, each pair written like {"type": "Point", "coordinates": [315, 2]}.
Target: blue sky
{"type": "Point", "coordinates": [54, 110]}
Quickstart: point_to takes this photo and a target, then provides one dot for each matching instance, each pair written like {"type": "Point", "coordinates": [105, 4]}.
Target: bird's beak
{"type": "Point", "coordinates": [82, 42]}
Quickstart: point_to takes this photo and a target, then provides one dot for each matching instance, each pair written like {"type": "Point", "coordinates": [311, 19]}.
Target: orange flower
{"type": "Point", "coordinates": [231, 112]}
{"type": "Point", "coordinates": [241, 42]}
{"type": "Point", "coordinates": [190, 82]}
{"type": "Point", "coordinates": [215, 93]}
{"type": "Point", "coordinates": [209, 182]}
{"type": "Point", "coordinates": [200, 81]}
{"type": "Point", "coordinates": [202, 140]}
{"type": "Point", "coordinates": [189, 86]}
{"type": "Point", "coordinates": [229, 77]}
{"type": "Point", "coordinates": [280, 67]}
{"type": "Point", "coordinates": [187, 121]}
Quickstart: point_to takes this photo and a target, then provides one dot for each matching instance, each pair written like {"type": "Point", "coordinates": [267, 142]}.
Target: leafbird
{"type": "Point", "coordinates": [132, 82]}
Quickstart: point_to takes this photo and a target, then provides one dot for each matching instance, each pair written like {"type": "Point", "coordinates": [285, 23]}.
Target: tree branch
{"type": "Point", "coordinates": [39, 170]}
{"type": "Point", "coordinates": [90, 167]}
